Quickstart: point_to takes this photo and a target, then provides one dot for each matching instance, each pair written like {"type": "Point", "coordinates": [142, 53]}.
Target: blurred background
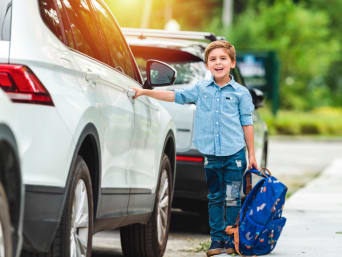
{"type": "Point", "coordinates": [291, 49]}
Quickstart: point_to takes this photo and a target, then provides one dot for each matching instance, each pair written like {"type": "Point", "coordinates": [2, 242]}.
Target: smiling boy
{"type": "Point", "coordinates": [223, 127]}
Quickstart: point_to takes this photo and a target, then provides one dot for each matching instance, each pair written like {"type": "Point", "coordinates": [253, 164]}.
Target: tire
{"type": "Point", "coordinates": [149, 240]}
{"type": "Point", "coordinates": [71, 230]}
{"type": "Point", "coordinates": [5, 226]}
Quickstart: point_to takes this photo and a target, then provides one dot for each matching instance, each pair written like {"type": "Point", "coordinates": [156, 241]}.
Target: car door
{"type": "Point", "coordinates": [106, 88]}
{"type": "Point", "coordinates": [140, 166]}
{"type": "Point", "coordinates": [142, 173]}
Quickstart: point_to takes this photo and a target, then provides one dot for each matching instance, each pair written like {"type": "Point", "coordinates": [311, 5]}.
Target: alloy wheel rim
{"type": "Point", "coordinates": [79, 222]}
{"type": "Point", "coordinates": [2, 241]}
{"type": "Point", "coordinates": [163, 207]}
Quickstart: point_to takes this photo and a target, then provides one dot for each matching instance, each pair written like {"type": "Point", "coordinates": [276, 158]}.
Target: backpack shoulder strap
{"type": "Point", "coordinates": [234, 230]}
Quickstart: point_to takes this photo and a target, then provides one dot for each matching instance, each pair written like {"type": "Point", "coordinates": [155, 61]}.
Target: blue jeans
{"type": "Point", "coordinates": [224, 179]}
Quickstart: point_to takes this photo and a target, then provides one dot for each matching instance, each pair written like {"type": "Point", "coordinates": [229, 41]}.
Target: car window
{"type": "Point", "coordinates": [86, 35]}
{"type": "Point", "coordinates": [190, 68]}
{"type": "Point", "coordinates": [189, 72]}
{"type": "Point", "coordinates": [48, 11]}
{"type": "Point", "coordinates": [5, 19]}
{"type": "Point", "coordinates": [120, 57]}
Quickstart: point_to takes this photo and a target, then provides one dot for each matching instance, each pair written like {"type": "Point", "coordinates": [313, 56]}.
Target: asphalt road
{"type": "Point", "coordinates": [289, 159]}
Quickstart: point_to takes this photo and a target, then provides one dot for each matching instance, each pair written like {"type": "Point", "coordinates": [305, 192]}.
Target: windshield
{"type": "Point", "coordinates": [5, 19]}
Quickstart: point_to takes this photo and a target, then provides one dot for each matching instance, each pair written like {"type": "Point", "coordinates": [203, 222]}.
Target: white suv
{"type": "Point", "coordinates": [93, 158]}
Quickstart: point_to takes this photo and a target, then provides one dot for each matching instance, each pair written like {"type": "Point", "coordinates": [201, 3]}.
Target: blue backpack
{"type": "Point", "coordinates": [260, 222]}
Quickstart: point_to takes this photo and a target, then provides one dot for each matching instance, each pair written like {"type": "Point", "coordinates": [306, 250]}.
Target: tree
{"type": "Point", "coordinates": [304, 43]}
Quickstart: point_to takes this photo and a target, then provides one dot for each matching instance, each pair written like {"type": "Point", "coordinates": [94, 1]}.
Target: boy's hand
{"type": "Point", "coordinates": [252, 162]}
{"type": "Point", "coordinates": [138, 92]}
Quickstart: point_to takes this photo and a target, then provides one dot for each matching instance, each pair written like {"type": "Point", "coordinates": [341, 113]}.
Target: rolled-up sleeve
{"type": "Point", "coordinates": [190, 95]}
{"type": "Point", "coordinates": [246, 108]}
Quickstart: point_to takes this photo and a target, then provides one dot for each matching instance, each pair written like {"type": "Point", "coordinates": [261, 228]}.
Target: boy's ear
{"type": "Point", "coordinates": [233, 64]}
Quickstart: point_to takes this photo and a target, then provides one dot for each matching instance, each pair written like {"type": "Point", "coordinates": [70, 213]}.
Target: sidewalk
{"type": "Point", "coordinates": [314, 218]}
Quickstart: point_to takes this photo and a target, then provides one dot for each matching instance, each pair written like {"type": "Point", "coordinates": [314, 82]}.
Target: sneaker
{"type": "Point", "coordinates": [229, 247]}
{"type": "Point", "coordinates": [216, 247]}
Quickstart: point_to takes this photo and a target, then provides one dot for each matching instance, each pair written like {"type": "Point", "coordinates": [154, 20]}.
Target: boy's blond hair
{"type": "Point", "coordinates": [220, 44]}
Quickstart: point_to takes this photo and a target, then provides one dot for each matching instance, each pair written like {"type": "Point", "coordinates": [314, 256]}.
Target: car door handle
{"type": "Point", "coordinates": [131, 94]}
{"type": "Point", "coordinates": [91, 76]}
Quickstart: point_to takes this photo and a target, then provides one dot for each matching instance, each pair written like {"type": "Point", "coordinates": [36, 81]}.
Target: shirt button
{"type": "Point", "coordinates": [216, 111]}
{"type": "Point", "coordinates": [217, 135]}
{"type": "Point", "coordinates": [216, 123]}
{"type": "Point", "coordinates": [217, 99]}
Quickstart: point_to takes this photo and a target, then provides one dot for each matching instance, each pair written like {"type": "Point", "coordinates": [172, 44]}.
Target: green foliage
{"type": "Point", "coordinates": [203, 246]}
{"type": "Point", "coordinates": [304, 44]}
{"type": "Point", "coordinates": [320, 121]}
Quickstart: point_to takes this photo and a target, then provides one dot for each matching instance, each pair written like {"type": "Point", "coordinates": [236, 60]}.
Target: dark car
{"type": "Point", "coordinates": [184, 51]}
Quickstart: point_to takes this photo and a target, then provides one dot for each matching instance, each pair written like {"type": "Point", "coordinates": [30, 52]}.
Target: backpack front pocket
{"type": "Point", "coordinates": [268, 238]}
{"type": "Point", "coordinates": [249, 233]}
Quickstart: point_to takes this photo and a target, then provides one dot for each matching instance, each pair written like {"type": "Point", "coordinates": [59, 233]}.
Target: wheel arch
{"type": "Point", "coordinates": [10, 176]}
{"type": "Point", "coordinates": [169, 149]}
{"type": "Point", "coordinates": [88, 146]}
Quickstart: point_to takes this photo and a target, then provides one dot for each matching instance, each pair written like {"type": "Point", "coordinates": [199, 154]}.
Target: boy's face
{"type": "Point", "coordinates": [219, 63]}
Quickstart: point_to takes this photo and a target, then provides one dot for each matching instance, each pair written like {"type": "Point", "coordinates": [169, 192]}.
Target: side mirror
{"type": "Point", "coordinates": [258, 97]}
{"type": "Point", "coordinates": [159, 74]}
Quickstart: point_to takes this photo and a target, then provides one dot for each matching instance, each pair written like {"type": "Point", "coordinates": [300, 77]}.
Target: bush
{"type": "Point", "coordinates": [321, 121]}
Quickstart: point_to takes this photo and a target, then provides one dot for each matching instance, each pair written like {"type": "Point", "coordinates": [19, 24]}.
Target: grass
{"type": "Point", "coordinates": [326, 121]}
{"type": "Point", "coordinates": [296, 182]}
{"type": "Point", "coordinates": [203, 246]}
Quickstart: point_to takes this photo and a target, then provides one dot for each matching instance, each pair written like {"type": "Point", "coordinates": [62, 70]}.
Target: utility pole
{"type": "Point", "coordinates": [145, 21]}
{"type": "Point", "coordinates": [227, 13]}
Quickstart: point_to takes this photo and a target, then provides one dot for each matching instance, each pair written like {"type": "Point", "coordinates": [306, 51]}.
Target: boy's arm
{"type": "Point", "coordinates": [246, 108]}
{"type": "Point", "coordinates": [179, 96]}
{"type": "Point", "coordinates": [168, 96]}
{"type": "Point", "coordinates": [249, 137]}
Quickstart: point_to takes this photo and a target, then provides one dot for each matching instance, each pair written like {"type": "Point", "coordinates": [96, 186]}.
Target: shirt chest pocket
{"type": "Point", "coordinates": [229, 104]}
{"type": "Point", "coordinates": [206, 101]}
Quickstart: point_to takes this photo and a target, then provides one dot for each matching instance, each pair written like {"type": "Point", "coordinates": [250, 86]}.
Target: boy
{"type": "Point", "coordinates": [223, 127]}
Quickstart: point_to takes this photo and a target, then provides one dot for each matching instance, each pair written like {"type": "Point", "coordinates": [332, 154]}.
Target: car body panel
{"type": "Point", "coordinates": [4, 51]}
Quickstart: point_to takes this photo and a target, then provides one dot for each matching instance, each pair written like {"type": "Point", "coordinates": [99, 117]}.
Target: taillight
{"type": "Point", "coordinates": [22, 86]}
{"type": "Point", "coordinates": [189, 158]}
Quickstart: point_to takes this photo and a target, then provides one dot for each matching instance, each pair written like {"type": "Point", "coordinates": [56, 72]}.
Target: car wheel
{"type": "Point", "coordinates": [5, 226]}
{"type": "Point", "coordinates": [149, 240]}
{"type": "Point", "coordinates": [74, 236]}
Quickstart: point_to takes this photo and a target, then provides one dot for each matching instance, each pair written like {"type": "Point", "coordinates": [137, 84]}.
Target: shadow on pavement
{"type": "Point", "coordinates": [107, 253]}
{"type": "Point", "coordinates": [189, 222]}
{"type": "Point", "coordinates": [181, 222]}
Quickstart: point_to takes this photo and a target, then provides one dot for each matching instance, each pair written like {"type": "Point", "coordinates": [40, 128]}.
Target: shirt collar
{"type": "Point", "coordinates": [231, 82]}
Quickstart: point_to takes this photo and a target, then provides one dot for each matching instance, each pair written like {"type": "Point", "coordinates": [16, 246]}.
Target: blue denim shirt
{"type": "Point", "coordinates": [220, 114]}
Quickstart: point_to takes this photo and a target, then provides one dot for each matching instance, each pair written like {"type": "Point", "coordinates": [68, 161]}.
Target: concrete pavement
{"type": "Point", "coordinates": [314, 218]}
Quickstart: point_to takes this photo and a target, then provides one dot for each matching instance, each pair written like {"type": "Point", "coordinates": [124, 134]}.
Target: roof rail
{"type": "Point", "coordinates": [158, 33]}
